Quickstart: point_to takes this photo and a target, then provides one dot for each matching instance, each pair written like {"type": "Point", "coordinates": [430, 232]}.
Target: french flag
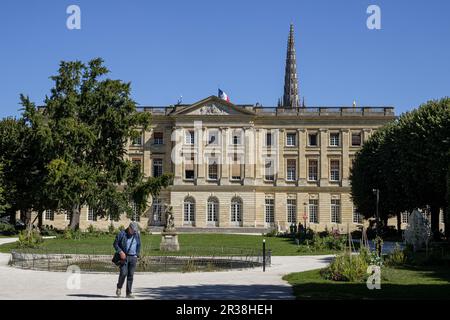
{"type": "Point", "coordinates": [223, 96]}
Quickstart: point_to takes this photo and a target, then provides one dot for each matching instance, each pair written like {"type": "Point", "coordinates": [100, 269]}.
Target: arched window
{"type": "Point", "coordinates": [189, 210]}
{"type": "Point", "coordinates": [212, 210]}
{"type": "Point", "coordinates": [236, 210]}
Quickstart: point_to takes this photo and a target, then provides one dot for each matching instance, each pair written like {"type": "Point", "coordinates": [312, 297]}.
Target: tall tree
{"type": "Point", "coordinates": [408, 160]}
{"type": "Point", "coordinates": [89, 120]}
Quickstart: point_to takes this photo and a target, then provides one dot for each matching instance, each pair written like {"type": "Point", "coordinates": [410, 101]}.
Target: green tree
{"type": "Point", "coordinates": [89, 120]}
{"type": "Point", "coordinates": [408, 160]}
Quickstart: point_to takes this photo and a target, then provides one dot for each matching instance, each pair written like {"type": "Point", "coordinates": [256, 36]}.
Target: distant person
{"type": "Point", "coordinates": [128, 245]}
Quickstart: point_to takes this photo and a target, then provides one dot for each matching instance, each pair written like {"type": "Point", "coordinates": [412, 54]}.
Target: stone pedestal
{"type": "Point", "coordinates": [169, 242]}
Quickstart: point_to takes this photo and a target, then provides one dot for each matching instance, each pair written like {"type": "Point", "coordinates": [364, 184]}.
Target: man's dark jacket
{"type": "Point", "coordinates": [120, 243]}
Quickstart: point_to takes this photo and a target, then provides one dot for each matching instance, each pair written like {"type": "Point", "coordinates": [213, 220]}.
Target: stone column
{"type": "Point", "coordinates": [281, 174]}
{"type": "Point", "coordinates": [302, 165]}
{"type": "Point", "coordinates": [345, 158]}
{"type": "Point", "coordinates": [323, 157]}
{"type": "Point", "coordinates": [366, 135]}
{"type": "Point", "coordinates": [224, 140]}
{"type": "Point", "coordinates": [258, 157]}
{"type": "Point", "coordinates": [201, 164]}
{"type": "Point", "coordinates": [147, 162]}
{"type": "Point", "coordinates": [168, 165]}
{"type": "Point", "coordinates": [249, 159]}
{"type": "Point", "coordinates": [177, 155]}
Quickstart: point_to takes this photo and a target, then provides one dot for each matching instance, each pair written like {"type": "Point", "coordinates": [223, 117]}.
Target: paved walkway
{"type": "Point", "coordinates": [238, 284]}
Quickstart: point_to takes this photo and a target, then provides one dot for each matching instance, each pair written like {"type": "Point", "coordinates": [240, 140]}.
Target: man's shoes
{"type": "Point", "coordinates": [130, 296]}
{"type": "Point", "coordinates": [118, 292]}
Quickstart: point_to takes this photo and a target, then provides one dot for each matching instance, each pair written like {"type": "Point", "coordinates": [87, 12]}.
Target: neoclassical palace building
{"type": "Point", "coordinates": [251, 167]}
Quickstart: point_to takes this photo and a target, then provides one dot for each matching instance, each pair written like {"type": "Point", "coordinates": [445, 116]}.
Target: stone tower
{"type": "Point", "coordinates": [291, 96]}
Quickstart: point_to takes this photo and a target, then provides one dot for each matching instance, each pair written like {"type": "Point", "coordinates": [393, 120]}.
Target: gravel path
{"type": "Point", "coordinates": [237, 284]}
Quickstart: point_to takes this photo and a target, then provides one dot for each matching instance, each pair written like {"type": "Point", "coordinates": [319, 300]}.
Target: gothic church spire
{"type": "Point", "coordinates": [291, 95]}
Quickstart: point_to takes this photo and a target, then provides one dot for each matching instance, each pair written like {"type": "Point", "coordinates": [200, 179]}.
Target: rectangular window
{"type": "Point", "coordinates": [313, 211]}
{"type": "Point", "coordinates": [157, 167]}
{"type": "Point", "coordinates": [213, 137]}
{"type": "Point", "coordinates": [291, 169]}
{"type": "Point", "coordinates": [212, 169]}
{"type": "Point", "coordinates": [190, 137]}
{"type": "Point", "coordinates": [158, 138]}
{"type": "Point", "coordinates": [91, 215]}
{"type": "Point", "coordinates": [68, 215]}
{"type": "Point", "coordinates": [291, 207]}
{"type": "Point", "coordinates": [213, 211]}
{"type": "Point", "coordinates": [189, 168]}
{"type": "Point", "coordinates": [137, 141]}
{"type": "Point", "coordinates": [313, 170]}
{"type": "Point", "coordinates": [49, 215]}
{"type": "Point", "coordinates": [290, 139]}
{"type": "Point", "coordinates": [356, 139]}
{"type": "Point", "coordinates": [157, 211]}
{"type": "Point", "coordinates": [312, 139]}
{"type": "Point", "coordinates": [189, 211]}
{"type": "Point", "coordinates": [236, 138]}
{"type": "Point", "coordinates": [357, 217]}
{"type": "Point", "coordinates": [268, 139]}
{"type": "Point", "coordinates": [334, 139]}
{"type": "Point", "coordinates": [335, 211]}
{"type": "Point", "coordinates": [405, 217]}
{"type": "Point", "coordinates": [334, 170]}
{"type": "Point", "coordinates": [236, 168]}
{"type": "Point", "coordinates": [269, 210]}
{"type": "Point", "coordinates": [269, 170]}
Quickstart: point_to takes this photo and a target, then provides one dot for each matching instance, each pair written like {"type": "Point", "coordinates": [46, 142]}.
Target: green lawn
{"type": "Point", "coordinates": [396, 283]}
{"type": "Point", "coordinates": [201, 243]}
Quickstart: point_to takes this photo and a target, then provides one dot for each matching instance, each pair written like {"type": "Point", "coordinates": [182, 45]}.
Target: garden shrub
{"type": "Point", "coordinates": [30, 239]}
{"type": "Point", "coordinates": [7, 229]}
{"type": "Point", "coordinates": [346, 267]}
{"type": "Point", "coordinates": [48, 231]}
{"type": "Point", "coordinates": [396, 258]}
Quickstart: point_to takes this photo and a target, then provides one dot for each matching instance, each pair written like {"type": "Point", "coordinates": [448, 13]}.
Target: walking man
{"type": "Point", "coordinates": [128, 245]}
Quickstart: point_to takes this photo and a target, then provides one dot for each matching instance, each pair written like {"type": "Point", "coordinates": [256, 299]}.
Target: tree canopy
{"type": "Point", "coordinates": [74, 147]}
{"type": "Point", "coordinates": [408, 160]}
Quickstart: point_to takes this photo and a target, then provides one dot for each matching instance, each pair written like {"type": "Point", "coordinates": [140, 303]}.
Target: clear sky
{"type": "Point", "coordinates": [171, 48]}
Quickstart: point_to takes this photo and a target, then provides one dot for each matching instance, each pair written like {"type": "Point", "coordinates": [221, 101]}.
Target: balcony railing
{"type": "Point", "coordinates": [281, 111]}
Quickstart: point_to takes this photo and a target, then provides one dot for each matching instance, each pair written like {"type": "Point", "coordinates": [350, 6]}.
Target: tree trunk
{"type": "Point", "coordinates": [435, 223]}
{"type": "Point", "coordinates": [12, 216]}
{"type": "Point", "coordinates": [75, 218]}
{"type": "Point", "coordinates": [28, 221]}
{"type": "Point", "coordinates": [40, 216]}
{"type": "Point", "coordinates": [23, 216]}
{"type": "Point", "coordinates": [399, 223]}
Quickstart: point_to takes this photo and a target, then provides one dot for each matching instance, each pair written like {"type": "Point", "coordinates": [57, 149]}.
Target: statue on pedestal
{"type": "Point", "coordinates": [169, 225]}
{"type": "Point", "coordinates": [169, 237]}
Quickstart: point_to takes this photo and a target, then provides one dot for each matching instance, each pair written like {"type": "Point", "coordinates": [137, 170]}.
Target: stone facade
{"type": "Point", "coordinates": [248, 166]}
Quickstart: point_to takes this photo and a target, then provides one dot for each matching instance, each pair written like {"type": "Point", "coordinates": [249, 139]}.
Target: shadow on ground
{"type": "Point", "coordinates": [216, 292]}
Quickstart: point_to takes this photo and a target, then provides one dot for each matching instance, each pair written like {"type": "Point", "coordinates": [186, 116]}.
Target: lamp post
{"type": "Point", "coordinates": [264, 255]}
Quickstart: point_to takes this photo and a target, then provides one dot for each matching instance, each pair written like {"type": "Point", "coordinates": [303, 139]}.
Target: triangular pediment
{"type": "Point", "coordinates": [213, 106]}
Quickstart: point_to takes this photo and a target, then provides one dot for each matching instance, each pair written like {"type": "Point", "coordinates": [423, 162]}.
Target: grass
{"type": "Point", "coordinates": [396, 283]}
{"type": "Point", "coordinates": [204, 243]}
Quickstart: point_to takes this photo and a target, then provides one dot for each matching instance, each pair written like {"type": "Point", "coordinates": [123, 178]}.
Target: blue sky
{"type": "Point", "coordinates": [189, 48]}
